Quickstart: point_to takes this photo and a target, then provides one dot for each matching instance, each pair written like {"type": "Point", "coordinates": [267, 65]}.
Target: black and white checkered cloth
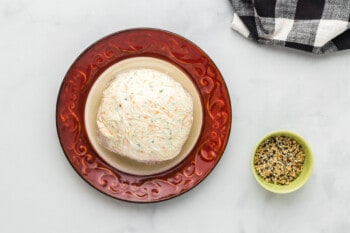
{"type": "Point", "coordinates": [318, 26]}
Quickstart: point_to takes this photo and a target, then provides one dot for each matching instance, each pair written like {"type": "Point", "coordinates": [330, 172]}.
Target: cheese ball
{"type": "Point", "coordinates": [144, 115]}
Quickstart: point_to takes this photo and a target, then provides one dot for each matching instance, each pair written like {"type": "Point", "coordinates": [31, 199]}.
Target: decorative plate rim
{"type": "Point", "coordinates": [169, 47]}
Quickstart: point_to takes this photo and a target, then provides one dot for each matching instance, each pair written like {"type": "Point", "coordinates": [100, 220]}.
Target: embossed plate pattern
{"type": "Point", "coordinates": [168, 47]}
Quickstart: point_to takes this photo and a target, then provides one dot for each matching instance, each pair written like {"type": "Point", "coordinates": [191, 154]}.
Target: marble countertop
{"type": "Point", "coordinates": [270, 89]}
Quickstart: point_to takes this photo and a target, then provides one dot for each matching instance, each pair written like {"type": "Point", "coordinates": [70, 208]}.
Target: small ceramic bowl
{"type": "Point", "coordinates": [303, 176]}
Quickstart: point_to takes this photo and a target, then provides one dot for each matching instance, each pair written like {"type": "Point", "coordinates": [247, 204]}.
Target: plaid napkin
{"type": "Point", "coordinates": [317, 26]}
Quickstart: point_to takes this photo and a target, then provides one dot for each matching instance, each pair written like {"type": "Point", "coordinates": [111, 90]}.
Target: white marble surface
{"type": "Point", "coordinates": [270, 89]}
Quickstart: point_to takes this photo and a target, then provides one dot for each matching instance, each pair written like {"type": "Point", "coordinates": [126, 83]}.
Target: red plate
{"type": "Point", "coordinates": [136, 43]}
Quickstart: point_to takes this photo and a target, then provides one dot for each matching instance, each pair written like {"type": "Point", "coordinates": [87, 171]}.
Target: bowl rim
{"type": "Point", "coordinates": [271, 187]}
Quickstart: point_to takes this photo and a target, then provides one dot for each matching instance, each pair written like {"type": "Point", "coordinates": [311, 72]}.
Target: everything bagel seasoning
{"type": "Point", "coordinates": [279, 160]}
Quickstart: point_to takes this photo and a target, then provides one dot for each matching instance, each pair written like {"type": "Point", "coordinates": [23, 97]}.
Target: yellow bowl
{"type": "Point", "coordinates": [303, 176]}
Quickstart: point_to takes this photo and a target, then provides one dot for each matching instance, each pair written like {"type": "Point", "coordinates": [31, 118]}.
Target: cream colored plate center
{"type": "Point", "coordinates": [94, 99]}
